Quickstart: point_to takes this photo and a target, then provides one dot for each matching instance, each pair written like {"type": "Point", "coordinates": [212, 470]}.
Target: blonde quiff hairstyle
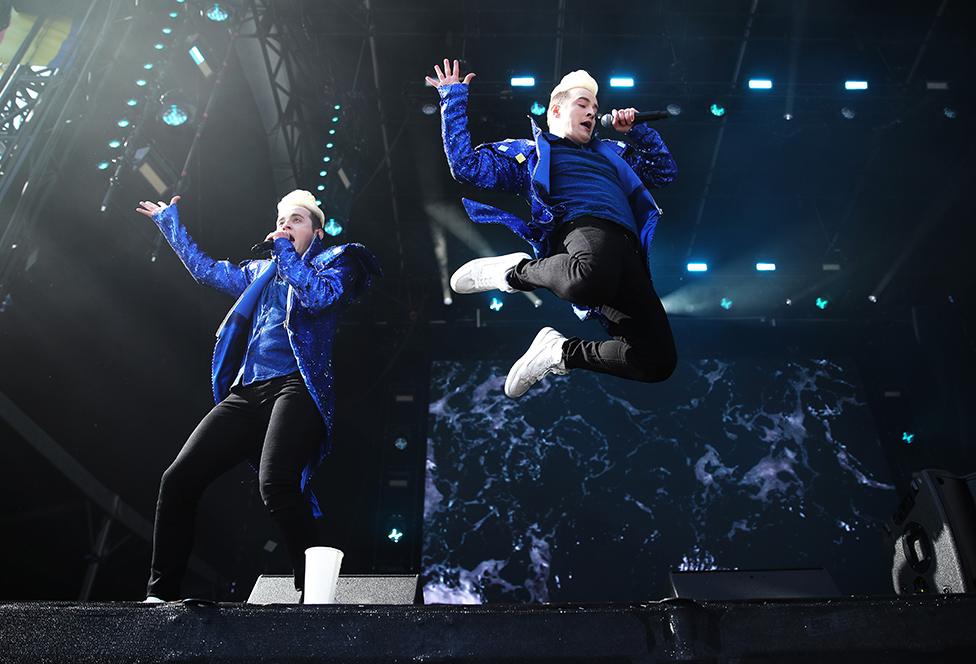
{"type": "Point", "coordinates": [574, 79]}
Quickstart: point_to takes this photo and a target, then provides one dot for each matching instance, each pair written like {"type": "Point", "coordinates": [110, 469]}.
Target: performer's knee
{"type": "Point", "coordinates": [177, 485]}
{"type": "Point", "coordinates": [277, 490]}
{"type": "Point", "coordinates": [650, 367]}
{"type": "Point", "coordinates": [588, 285]}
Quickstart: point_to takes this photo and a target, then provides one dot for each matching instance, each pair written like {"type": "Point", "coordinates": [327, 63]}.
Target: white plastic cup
{"type": "Point", "coordinates": [322, 565]}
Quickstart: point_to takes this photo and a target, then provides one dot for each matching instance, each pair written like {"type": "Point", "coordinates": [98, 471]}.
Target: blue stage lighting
{"type": "Point", "coordinates": [726, 303]}
{"type": "Point", "coordinates": [123, 123]}
{"type": "Point", "coordinates": [855, 85]}
{"type": "Point", "coordinates": [335, 118]}
{"type": "Point", "coordinates": [217, 13]}
{"type": "Point", "coordinates": [523, 81]}
{"type": "Point", "coordinates": [174, 115]}
{"type": "Point", "coordinates": [496, 304]}
{"type": "Point", "coordinates": [148, 66]}
{"type": "Point", "coordinates": [167, 31]}
{"type": "Point", "coordinates": [765, 267]}
{"type": "Point", "coordinates": [102, 165]}
{"type": "Point", "coordinates": [698, 267]}
{"type": "Point", "coordinates": [394, 535]}
{"type": "Point", "coordinates": [760, 84]}
{"type": "Point", "coordinates": [333, 228]}
{"type": "Point", "coordinates": [174, 14]}
{"type": "Point", "coordinates": [132, 102]}
{"type": "Point", "coordinates": [329, 146]}
{"type": "Point", "coordinates": [322, 174]}
{"type": "Point", "coordinates": [337, 107]}
{"type": "Point", "coordinates": [621, 82]}
{"type": "Point", "coordinates": [159, 46]}
{"type": "Point", "coordinates": [822, 303]}
{"type": "Point", "coordinates": [320, 187]}
{"type": "Point", "coordinates": [332, 132]}
{"type": "Point", "coordinates": [115, 143]}
{"type": "Point", "coordinates": [537, 109]}
{"type": "Point", "coordinates": [717, 110]}
{"type": "Point", "coordinates": [141, 82]}
{"type": "Point", "coordinates": [196, 55]}
{"type": "Point", "coordinates": [908, 437]}
{"type": "Point", "coordinates": [326, 159]}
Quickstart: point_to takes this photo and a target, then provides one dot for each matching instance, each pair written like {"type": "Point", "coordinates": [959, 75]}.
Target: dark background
{"type": "Point", "coordinates": [108, 350]}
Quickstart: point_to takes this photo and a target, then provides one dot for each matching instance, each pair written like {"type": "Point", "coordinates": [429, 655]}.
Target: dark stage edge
{"type": "Point", "coordinates": [941, 628]}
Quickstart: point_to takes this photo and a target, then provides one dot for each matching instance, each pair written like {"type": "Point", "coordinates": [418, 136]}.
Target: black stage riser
{"type": "Point", "coordinates": [913, 629]}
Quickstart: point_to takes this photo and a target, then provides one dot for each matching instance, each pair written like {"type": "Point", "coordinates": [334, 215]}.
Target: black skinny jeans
{"type": "Point", "coordinates": [598, 263]}
{"type": "Point", "coordinates": [275, 420]}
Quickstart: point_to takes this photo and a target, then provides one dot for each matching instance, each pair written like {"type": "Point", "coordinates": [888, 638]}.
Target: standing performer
{"type": "Point", "coordinates": [272, 379]}
{"type": "Point", "coordinates": [591, 228]}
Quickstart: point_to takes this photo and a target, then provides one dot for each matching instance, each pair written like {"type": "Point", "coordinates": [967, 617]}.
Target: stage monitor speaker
{"type": "Point", "coordinates": [351, 589]}
{"type": "Point", "coordinates": [753, 584]}
{"type": "Point", "coordinates": [933, 535]}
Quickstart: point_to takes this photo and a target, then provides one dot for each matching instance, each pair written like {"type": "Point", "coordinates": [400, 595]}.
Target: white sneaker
{"type": "Point", "coordinates": [485, 274]}
{"type": "Point", "coordinates": [152, 599]}
{"type": "Point", "coordinates": [544, 356]}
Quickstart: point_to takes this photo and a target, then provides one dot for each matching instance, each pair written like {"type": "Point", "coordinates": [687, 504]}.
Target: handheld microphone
{"type": "Point", "coordinates": [644, 116]}
{"type": "Point", "coordinates": [262, 247]}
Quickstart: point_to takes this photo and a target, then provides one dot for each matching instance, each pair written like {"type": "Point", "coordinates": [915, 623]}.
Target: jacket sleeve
{"type": "Point", "coordinates": [319, 286]}
{"type": "Point", "coordinates": [482, 166]}
{"type": "Point", "coordinates": [224, 276]}
{"type": "Point", "coordinates": [649, 157]}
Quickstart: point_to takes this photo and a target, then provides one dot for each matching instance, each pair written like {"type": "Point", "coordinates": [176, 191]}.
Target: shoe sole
{"type": "Point", "coordinates": [457, 273]}
{"type": "Point", "coordinates": [510, 379]}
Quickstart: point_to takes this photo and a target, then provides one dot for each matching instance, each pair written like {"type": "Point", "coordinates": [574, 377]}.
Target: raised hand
{"type": "Point", "coordinates": [449, 75]}
{"type": "Point", "coordinates": [623, 120]}
{"type": "Point", "coordinates": [149, 208]}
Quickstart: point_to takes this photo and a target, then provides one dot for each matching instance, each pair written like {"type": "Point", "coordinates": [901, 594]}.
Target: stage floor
{"type": "Point", "coordinates": [885, 629]}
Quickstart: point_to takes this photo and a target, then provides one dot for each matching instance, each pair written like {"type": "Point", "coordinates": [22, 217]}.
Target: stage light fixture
{"type": "Point", "coordinates": [907, 437]}
{"type": "Point", "coordinates": [673, 109]}
{"type": "Point", "coordinates": [760, 84]}
{"type": "Point", "coordinates": [323, 173]}
{"type": "Point", "coordinates": [697, 267]}
{"type": "Point", "coordinates": [141, 82]}
{"type": "Point", "coordinates": [848, 113]}
{"type": "Point", "coordinates": [537, 109]}
{"type": "Point", "coordinates": [167, 30]}
{"type": "Point", "coordinates": [159, 46]}
{"type": "Point", "coordinates": [855, 85]}
{"type": "Point", "coordinates": [199, 60]}
{"type": "Point", "coordinates": [394, 535]}
{"type": "Point", "coordinates": [326, 159]}
{"type": "Point", "coordinates": [726, 303]}
{"type": "Point", "coordinates": [765, 267]}
{"type": "Point", "coordinates": [949, 112]}
{"type": "Point", "coordinates": [400, 443]}
{"type": "Point", "coordinates": [523, 81]}
{"type": "Point", "coordinates": [717, 110]}
{"type": "Point", "coordinates": [873, 299]}
{"type": "Point", "coordinates": [175, 110]}
{"type": "Point", "coordinates": [148, 66]}
{"type": "Point", "coordinates": [123, 123]}
{"type": "Point", "coordinates": [132, 102]}
{"type": "Point", "coordinates": [102, 165]}
{"type": "Point", "coordinates": [320, 187]}
{"type": "Point", "coordinates": [428, 109]}
{"type": "Point", "coordinates": [822, 303]}
{"type": "Point", "coordinates": [496, 304]}
{"type": "Point", "coordinates": [621, 82]}
{"type": "Point", "coordinates": [217, 12]}
{"type": "Point", "coordinates": [115, 143]}
{"type": "Point", "coordinates": [333, 228]}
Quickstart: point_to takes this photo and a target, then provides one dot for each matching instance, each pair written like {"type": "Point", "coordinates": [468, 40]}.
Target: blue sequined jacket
{"type": "Point", "coordinates": [321, 283]}
{"type": "Point", "coordinates": [521, 166]}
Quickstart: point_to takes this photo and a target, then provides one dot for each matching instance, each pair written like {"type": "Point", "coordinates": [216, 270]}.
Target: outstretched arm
{"type": "Point", "coordinates": [647, 153]}
{"type": "Point", "coordinates": [222, 275]}
{"type": "Point", "coordinates": [481, 167]}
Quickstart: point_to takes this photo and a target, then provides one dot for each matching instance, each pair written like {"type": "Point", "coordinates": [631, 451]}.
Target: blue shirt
{"type": "Point", "coordinates": [582, 182]}
{"type": "Point", "coordinates": [269, 354]}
